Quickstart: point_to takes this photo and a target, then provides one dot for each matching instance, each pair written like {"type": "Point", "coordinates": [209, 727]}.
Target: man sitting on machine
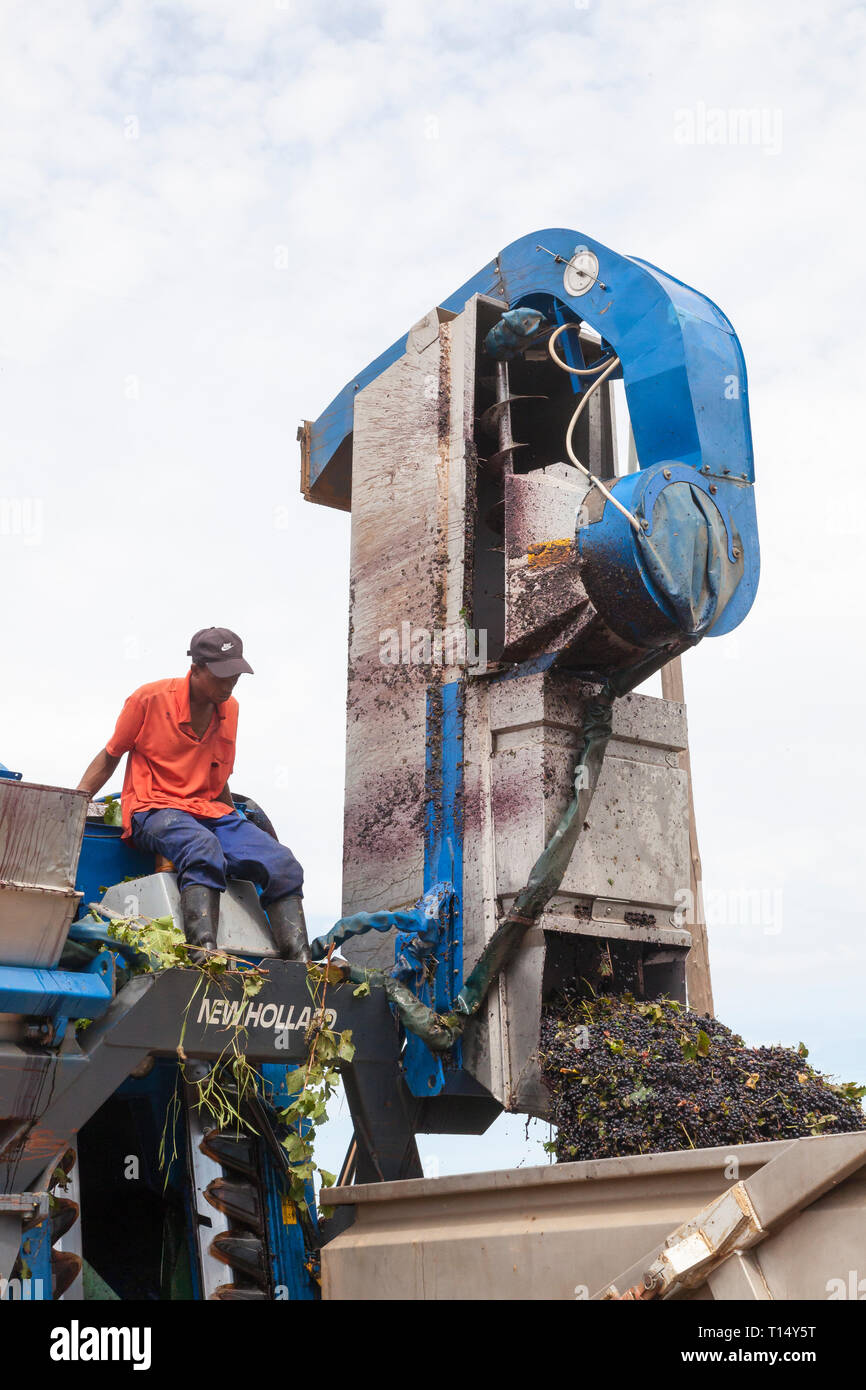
{"type": "Point", "coordinates": [180, 736]}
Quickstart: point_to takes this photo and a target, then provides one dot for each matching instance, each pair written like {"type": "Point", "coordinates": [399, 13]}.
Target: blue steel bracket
{"type": "Point", "coordinates": [421, 962]}
{"type": "Point", "coordinates": [90, 933]}
{"type": "Point", "coordinates": [34, 1281]}
{"type": "Point", "coordinates": [682, 368]}
{"type": "Point", "coordinates": [423, 950]}
{"type": "Point", "coordinates": [37, 1280]}
{"type": "Point", "coordinates": [58, 995]}
{"type": "Point", "coordinates": [290, 1260]}
{"type": "Point", "coordinates": [416, 948]}
{"type": "Point", "coordinates": [437, 982]}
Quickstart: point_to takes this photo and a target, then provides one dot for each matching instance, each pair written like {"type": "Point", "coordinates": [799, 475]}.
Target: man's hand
{"type": "Point", "coordinates": [98, 773]}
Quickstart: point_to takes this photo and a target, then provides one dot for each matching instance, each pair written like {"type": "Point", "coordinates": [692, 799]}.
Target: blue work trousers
{"type": "Point", "coordinates": [205, 850]}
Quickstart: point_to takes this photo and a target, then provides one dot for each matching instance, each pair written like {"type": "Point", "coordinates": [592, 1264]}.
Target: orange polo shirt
{"type": "Point", "coordinates": [167, 764]}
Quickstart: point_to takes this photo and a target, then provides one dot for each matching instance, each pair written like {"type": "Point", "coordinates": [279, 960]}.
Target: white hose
{"type": "Point", "coordinates": [560, 362]}
{"type": "Point", "coordinates": [605, 368]}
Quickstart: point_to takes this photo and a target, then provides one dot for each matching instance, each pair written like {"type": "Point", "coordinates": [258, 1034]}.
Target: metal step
{"type": "Point", "coordinates": [245, 1253]}
{"type": "Point", "coordinates": [239, 1200]}
{"type": "Point", "coordinates": [237, 1152]}
{"type": "Point", "coordinates": [241, 1293]}
{"type": "Point", "coordinates": [65, 1269]}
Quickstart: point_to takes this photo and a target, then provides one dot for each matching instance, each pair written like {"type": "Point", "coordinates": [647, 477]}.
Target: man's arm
{"type": "Point", "coordinates": [98, 773]}
{"type": "Point", "coordinates": [104, 765]}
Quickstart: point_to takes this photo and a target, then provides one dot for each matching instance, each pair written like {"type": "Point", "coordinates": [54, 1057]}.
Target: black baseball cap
{"type": "Point", "coordinates": [220, 650]}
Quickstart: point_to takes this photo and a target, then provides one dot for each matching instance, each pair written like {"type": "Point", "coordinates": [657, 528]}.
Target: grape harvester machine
{"type": "Point", "coordinates": [550, 481]}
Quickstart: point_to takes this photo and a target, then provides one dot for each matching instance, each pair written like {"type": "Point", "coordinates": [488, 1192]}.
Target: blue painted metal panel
{"type": "Point", "coordinates": [106, 859]}
{"type": "Point", "coordinates": [291, 1262]}
{"type": "Point", "coordinates": [56, 994]}
{"type": "Point", "coordinates": [36, 1263]}
{"type": "Point", "coordinates": [90, 934]}
{"type": "Point", "coordinates": [678, 350]}
{"type": "Point", "coordinates": [443, 849]}
{"type": "Point", "coordinates": [443, 873]}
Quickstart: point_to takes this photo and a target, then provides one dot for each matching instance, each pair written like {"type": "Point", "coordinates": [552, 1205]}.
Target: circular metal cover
{"type": "Point", "coordinates": [581, 272]}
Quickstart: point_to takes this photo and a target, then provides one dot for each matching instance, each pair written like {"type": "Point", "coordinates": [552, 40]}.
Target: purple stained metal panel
{"type": "Point", "coordinates": [41, 829]}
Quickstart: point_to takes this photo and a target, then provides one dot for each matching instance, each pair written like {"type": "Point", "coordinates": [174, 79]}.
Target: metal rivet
{"type": "Point", "coordinates": [713, 487]}
{"type": "Point", "coordinates": [666, 472]}
{"type": "Point", "coordinates": [736, 553]}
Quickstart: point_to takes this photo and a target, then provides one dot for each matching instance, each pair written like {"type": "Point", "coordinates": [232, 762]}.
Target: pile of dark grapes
{"type": "Point", "coordinates": [627, 1077]}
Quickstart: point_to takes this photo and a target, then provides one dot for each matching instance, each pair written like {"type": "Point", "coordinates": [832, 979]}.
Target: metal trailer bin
{"type": "Point", "coordinates": [778, 1220]}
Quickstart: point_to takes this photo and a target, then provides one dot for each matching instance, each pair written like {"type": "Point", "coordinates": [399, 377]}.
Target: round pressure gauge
{"type": "Point", "coordinates": [581, 273]}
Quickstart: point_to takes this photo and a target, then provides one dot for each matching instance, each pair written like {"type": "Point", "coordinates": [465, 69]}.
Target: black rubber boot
{"type": "Point", "coordinates": [200, 908]}
{"type": "Point", "coordinates": [288, 927]}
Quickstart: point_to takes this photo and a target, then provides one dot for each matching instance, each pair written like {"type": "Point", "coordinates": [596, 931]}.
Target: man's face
{"type": "Point", "coordinates": [204, 685]}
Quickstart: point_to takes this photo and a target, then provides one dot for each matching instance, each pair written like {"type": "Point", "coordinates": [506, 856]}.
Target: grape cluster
{"type": "Point", "coordinates": [627, 1077]}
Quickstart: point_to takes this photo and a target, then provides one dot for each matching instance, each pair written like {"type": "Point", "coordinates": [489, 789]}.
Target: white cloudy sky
{"type": "Point", "coordinates": [160, 162]}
